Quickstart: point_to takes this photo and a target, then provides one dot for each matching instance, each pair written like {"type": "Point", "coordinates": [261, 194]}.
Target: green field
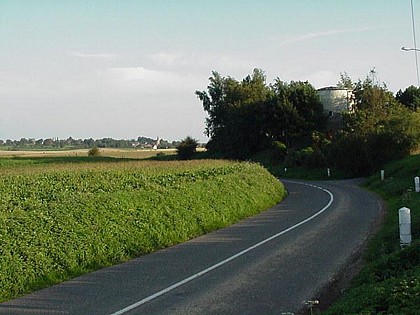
{"type": "Point", "coordinates": [65, 216]}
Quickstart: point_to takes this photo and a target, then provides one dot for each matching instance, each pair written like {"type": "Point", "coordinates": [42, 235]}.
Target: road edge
{"type": "Point", "coordinates": [341, 281]}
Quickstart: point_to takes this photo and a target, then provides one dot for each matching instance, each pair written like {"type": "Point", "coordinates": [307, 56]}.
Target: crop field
{"type": "Point", "coordinates": [64, 216]}
{"type": "Point", "coordinates": [106, 152]}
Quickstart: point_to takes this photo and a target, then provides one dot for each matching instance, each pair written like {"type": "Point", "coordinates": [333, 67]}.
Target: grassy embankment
{"type": "Point", "coordinates": [62, 217]}
{"type": "Point", "coordinates": [390, 281]}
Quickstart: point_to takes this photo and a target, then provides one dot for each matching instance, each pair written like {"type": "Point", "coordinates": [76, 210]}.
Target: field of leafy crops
{"type": "Point", "coordinates": [63, 217]}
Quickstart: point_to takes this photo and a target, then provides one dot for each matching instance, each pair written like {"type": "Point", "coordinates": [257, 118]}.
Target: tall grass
{"type": "Point", "coordinates": [61, 218]}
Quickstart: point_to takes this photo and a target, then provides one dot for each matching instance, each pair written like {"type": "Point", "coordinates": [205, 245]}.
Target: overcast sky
{"type": "Point", "coordinates": [124, 69]}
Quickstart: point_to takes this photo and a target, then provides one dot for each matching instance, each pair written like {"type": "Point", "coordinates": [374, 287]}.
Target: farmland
{"type": "Point", "coordinates": [65, 216]}
{"type": "Point", "coordinates": [107, 152]}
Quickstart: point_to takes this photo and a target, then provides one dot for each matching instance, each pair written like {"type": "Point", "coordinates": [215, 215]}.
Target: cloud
{"type": "Point", "coordinates": [313, 35]}
{"type": "Point", "coordinates": [137, 74]}
{"type": "Point", "coordinates": [144, 81]}
{"type": "Point", "coordinates": [198, 64]}
{"type": "Point", "coordinates": [322, 78]}
{"type": "Point", "coordinates": [93, 56]}
{"type": "Point", "coordinates": [141, 75]}
{"type": "Point", "coordinates": [166, 59]}
{"type": "Point", "coordinates": [310, 36]}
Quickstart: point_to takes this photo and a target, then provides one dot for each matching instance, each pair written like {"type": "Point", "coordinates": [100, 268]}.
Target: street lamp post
{"type": "Point", "coordinates": [409, 49]}
{"type": "Point", "coordinates": [415, 43]}
{"type": "Point", "coordinates": [417, 65]}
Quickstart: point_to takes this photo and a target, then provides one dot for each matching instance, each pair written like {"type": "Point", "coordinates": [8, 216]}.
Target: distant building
{"type": "Point", "coordinates": [336, 100]}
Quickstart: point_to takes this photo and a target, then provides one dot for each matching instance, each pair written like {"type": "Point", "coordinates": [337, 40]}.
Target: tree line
{"type": "Point", "coordinates": [70, 143]}
{"type": "Point", "coordinates": [287, 119]}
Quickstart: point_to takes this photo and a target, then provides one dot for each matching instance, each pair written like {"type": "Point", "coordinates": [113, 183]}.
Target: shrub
{"type": "Point", "coordinates": [307, 157]}
{"type": "Point", "coordinates": [187, 148]}
{"type": "Point", "coordinates": [94, 151]}
{"type": "Point", "coordinates": [279, 150]}
{"type": "Point", "coordinates": [362, 155]}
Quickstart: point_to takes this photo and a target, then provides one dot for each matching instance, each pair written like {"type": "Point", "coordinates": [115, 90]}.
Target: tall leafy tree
{"type": "Point", "coordinates": [373, 103]}
{"type": "Point", "coordinates": [345, 82]}
{"type": "Point", "coordinates": [410, 97]}
{"type": "Point", "coordinates": [293, 111]}
{"type": "Point", "coordinates": [245, 116]}
{"type": "Point", "coordinates": [379, 130]}
{"type": "Point", "coordinates": [234, 121]}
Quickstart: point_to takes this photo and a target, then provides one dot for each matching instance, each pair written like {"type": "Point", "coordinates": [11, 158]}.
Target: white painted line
{"type": "Point", "coordinates": [223, 262]}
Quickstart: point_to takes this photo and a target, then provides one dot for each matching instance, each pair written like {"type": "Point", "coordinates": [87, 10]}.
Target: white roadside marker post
{"type": "Point", "coordinates": [382, 174]}
{"type": "Point", "coordinates": [405, 226]}
{"type": "Point", "coordinates": [328, 172]}
{"type": "Point", "coordinates": [417, 183]}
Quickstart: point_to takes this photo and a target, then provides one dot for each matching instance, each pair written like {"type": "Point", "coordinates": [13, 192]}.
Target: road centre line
{"type": "Point", "coordinates": [223, 262]}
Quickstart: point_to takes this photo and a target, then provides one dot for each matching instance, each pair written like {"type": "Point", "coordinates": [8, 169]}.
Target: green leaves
{"type": "Point", "coordinates": [58, 223]}
{"type": "Point", "coordinates": [245, 116]}
{"type": "Point", "coordinates": [187, 148]}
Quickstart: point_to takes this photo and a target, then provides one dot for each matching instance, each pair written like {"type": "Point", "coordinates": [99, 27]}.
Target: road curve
{"type": "Point", "coordinates": [266, 264]}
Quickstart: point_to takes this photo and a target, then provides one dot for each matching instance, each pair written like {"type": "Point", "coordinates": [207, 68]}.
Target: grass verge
{"type": "Point", "coordinates": [390, 281]}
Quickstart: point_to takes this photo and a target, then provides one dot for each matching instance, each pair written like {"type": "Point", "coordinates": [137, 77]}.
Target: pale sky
{"type": "Point", "coordinates": [124, 69]}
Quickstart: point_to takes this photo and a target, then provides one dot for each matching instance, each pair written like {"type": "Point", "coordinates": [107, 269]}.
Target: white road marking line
{"type": "Point", "coordinates": [223, 262]}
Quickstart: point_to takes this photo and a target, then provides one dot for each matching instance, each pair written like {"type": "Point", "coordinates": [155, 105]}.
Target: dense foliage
{"type": "Point", "coordinates": [410, 97]}
{"type": "Point", "coordinates": [249, 117]}
{"type": "Point", "coordinates": [379, 130]}
{"type": "Point", "coordinates": [94, 151]}
{"type": "Point", "coordinates": [187, 148]}
{"type": "Point", "coordinates": [59, 219]}
{"type": "Point", "coordinates": [71, 143]}
{"type": "Point", "coordinates": [245, 117]}
{"type": "Point", "coordinates": [390, 282]}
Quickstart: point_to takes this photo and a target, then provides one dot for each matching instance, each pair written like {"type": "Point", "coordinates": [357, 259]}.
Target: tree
{"type": "Point", "coordinates": [379, 130]}
{"type": "Point", "coordinates": [282, 119]}
{"type": "Point", "coordinates": [48, 142]}
{"type": "Point", "coordinates": [245, 117]}
{"type": "Point", "coordinates": [373, 103]}
{"type": "Point", "coordinates": [234, 109]}
{"type": "Point", "coordinates": [293, 112]}
{"type": "Point", "coordinates": [410, 97]}
{"type": "Point", "coordinates": [187, 148]}
{"type": "Point", "coordinates": [345, 81]}
{"type": "Point", "coordinates": [308, 104]}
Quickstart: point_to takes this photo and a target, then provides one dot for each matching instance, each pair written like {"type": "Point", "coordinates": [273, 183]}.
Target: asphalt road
{"type": "Point", "coordinates": [267, 264]}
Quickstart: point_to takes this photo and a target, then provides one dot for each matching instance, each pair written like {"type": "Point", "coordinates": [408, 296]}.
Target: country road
{"type": "Point", "coordinates": [267, 264]}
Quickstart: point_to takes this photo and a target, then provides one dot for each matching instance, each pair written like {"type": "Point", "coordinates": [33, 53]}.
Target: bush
{"type": "Point", "coordinates": [307, 157]}
{"type": "Point", "coordinates": [363, 155]}
{"type": "Point", "coordinates": [279, 150]}
{"type": "Point", "coordinates": [187, 148]}
{"type": "Point", "coordinates": [94, 151]}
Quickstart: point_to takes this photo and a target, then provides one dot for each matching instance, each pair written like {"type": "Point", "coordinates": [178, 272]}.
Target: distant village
{"type": "Point", "coordinates": [70, 143]}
